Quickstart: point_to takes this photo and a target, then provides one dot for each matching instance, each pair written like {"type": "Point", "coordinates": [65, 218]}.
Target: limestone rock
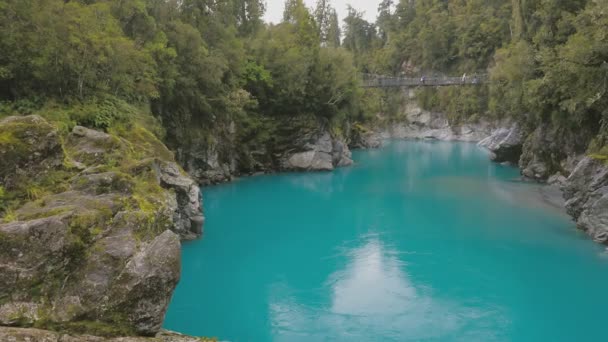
{"type": "Point", "coordinates": [144, 288]}
{"type": "Point", "coordinates": [557, 179]}
{"type": "Point", "coordinates": [505, 144]}
{"type": "Point", "coordinates": [342, 156]}
{"type": "Point", "coordinates": [586, 194]}
{"type": "Point", "coordinates": [548, 150]}
{"type": "Point", "coordinates": [422, 124]}
{"type": "Point", "coordinates": [188, 218]}
{"type": "Point", "coordinates": [323, 153]}
{"type": "Point", "coordinates": [594, 218]}
{"type": "Point", "coordinates": [588, 177]}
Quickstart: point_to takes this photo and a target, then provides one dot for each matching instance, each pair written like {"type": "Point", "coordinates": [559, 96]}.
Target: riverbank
{"type": "Point", "coordinates": [579, 179]}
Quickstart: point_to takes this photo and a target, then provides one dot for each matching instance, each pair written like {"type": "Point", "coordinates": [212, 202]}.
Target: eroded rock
{"type": "Point", "coordinates": [323, 153]}
{"type": "Point", "coordinates": [99, 252]}
{"type": "Point", "coordinates": [505, 144]}
{"type": "Point", "coordinates": [586, 194]}
{"type": "Point", "coordinates": [188, 219]}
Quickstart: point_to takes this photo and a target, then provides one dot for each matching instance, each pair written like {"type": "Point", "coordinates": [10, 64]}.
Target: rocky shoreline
{"type": "Point", "coordinates": [575, 181]}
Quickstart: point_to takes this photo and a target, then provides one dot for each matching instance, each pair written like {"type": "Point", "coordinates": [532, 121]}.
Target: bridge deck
{"type": "Point", "coordinates": [373, 81]}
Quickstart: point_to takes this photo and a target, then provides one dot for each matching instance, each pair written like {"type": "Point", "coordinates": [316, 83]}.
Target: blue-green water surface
{"type": "Point", "coordinates": [419, 241]}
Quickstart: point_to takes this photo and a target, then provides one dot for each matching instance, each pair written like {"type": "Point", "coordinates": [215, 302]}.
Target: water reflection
{"type": "Point", "coordinates": [372, 293]}
{"type": "Point", "coordinates": [372, 283]}
{"type": "Point", "coordinates": [458, 251]}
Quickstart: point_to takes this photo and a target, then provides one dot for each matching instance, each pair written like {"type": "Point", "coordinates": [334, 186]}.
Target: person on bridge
{"type": "Point", "coordinates": [464, 78]}
{"type": "Point", "coordinates": [422, 79]}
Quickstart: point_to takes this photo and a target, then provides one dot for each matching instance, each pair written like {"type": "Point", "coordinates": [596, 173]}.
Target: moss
{"type": "Point", "coordinates": [8, 138]}
{"type": "Point", "coordinates": [89, 327]}
{"type": "Point", "coordinates": [99, 328]}
{"type": "Point", "coordinates": [142, 143]}
{"type": "Point", "coordinates": [34, 189]}
{"type": "Point", "coordinates": [9, 216]}
{"type": "Point", "coordinates": [43, 214]}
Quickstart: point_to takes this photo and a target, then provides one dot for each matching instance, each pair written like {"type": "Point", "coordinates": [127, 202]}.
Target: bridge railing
{"type": "Point", "coordinates": [378, 81]}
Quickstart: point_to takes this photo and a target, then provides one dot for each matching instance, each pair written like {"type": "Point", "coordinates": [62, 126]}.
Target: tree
{"type": "Point", "coordinates": [334, 34]}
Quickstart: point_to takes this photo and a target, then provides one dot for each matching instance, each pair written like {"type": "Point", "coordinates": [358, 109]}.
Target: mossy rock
{"type": "Point", "coordinates": [29, 147]}
{"type": "Point", "coordinates": [91, 246]}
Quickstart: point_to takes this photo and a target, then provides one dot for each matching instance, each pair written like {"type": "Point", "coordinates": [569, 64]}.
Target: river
{"type": "Point", "coordinates": [417, 241]}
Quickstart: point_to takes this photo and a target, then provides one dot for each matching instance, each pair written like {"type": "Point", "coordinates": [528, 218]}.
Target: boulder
{"type": "Point", "coordinates": [505, 144]}
{"type": "Point", "coordinates": [323, 153]}
{"type": "Point", "coordinates": [144, 287]}
{"type": "Point", "coordinates": [100, 251]}
{"type": "Point", "coordinates": [341, 154]}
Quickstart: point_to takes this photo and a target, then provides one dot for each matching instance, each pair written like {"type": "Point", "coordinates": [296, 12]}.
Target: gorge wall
{"type": "Point", "coordinates": [94, 246]}
{"type": "Point", "coordinates": [297, 144]}
{"type": "Point", "coordinates": [543, 154]}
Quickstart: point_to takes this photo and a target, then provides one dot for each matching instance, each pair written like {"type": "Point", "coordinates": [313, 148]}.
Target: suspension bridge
{"type": "Point", "coordinates": [380, 81]}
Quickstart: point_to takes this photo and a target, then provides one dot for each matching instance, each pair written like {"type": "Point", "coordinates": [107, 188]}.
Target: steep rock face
{"type": "Point", "coordinates": [422, 124]}
{"type": "Point", "coordinates": [321, 153]}
{"type": "Point", "coordinates": [206, 162]}
{"type": "Point", "coordinates": [505, 144]}
{"type": "Point", "coordinates": [548, 151]}
{"type": "Point", "coordinates": [187, 218]}
{"type": "Point", "coordinates": [282, 143]}
{"type": "Point", "coordinates": [99, 252]}
{"type": "Point", "coordinates": [586, 194]}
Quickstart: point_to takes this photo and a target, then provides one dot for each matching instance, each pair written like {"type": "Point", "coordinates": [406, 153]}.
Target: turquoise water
{"type": "Point", "coordinates": [419, 241]}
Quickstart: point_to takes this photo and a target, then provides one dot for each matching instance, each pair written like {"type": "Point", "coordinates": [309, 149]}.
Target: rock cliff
{"type": "Point", "coordinates": [300, 143]}
{"type": "Point", "coordinates": [505, 144]}
{"type": "Point", "coordinates": [418, 123]}
{"type": "Point", "coordinates": [92, 225]}
{"type": "Point", "coordinates": [586, 194]}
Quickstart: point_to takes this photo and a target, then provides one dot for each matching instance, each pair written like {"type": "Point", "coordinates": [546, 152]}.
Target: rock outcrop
{"type": "Point", "coordinates": [91, 242]}
{"type": "Point", "coordinates": [322, 153]}
{"type": "Point", "coordinates": [586, 194]}
{"type": "Point", "coordinates": [206, 162]}
{"type": "Point", "coordinates": [548, 151]}
{"type": "Point", "coordinates": [505, 144]}
{"type": "Point", "coordinates": [423, 124]}
{"type": "Point", "coordinates": [8, 334]}
{"type": "Point", "coordinates": [187, 218]}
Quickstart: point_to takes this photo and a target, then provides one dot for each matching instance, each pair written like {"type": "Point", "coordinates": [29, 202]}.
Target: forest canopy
{"type": "Point", "coordinates": [197, 65]}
